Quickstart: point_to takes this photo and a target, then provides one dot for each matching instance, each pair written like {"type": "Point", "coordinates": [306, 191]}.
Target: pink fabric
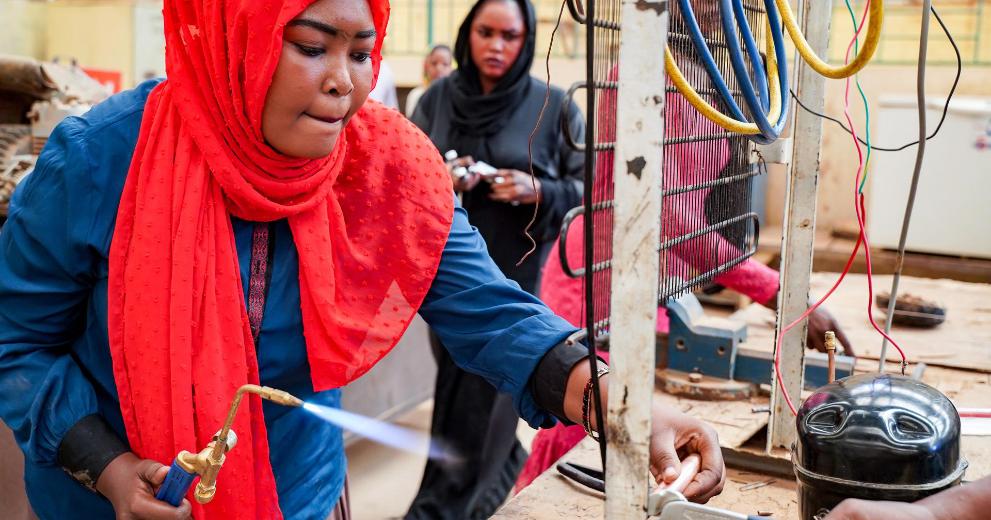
{"type": "Point", "coordinates": [548, 447]}
{"type": "Point", "coordinates": [684, 164]}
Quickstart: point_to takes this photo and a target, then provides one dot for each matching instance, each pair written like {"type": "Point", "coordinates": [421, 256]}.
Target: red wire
{"type": "Point", "coordinates": [849, 262]}
{"type": "Point", "coordinates": [858, 198]}
{"type": "Point", "coordinates": [777, 347]}
{"type": "Point", "coordinates": [980, 413]}
{"type": "Point", "coordinates": [861, 213]}
{"type": "Point", "coordinates": [861, 238]}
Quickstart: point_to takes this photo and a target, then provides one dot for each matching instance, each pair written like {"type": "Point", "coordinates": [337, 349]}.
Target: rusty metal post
{"type": "Point", "coordinates": [799, 222]}
{"type": "Point", "coordinates": [636, 239]}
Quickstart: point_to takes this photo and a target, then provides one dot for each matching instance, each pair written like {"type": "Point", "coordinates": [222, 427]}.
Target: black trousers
{"type": "Point", "coordinates": [480, 423]}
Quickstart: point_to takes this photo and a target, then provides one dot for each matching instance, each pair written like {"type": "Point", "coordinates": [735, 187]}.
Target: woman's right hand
{"type": "Point", "coordinates": [130, 484]}
{"type": "Point", "coordinates": [467, 181]}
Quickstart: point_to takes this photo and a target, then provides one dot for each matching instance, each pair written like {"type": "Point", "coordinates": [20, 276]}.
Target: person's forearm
{"type": "Point", "coordinates": [966, 502]}
{"type": "Point", "coordinates": [574, 395]}
{"type": "Point", "coordinates": [88, 448]}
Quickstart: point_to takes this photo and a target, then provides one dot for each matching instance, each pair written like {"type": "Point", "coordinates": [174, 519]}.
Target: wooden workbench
{"type": "Point", "coordinates": [963, 341]}
{"type": "Point", "coordinates": [553, 496]}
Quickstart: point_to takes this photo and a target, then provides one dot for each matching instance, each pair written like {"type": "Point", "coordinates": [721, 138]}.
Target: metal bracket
{"type": "Point", "coordinates": [778, 152]}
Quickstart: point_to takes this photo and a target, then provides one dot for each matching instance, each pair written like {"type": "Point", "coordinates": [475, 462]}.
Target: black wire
{"type": "Point", "coordinates": [588, 477]}
{"type": "Point", "coordinates": [946, 106]}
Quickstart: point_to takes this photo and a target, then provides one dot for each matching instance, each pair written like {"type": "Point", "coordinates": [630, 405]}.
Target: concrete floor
{"type": "Point", "coordinates": [384, 480]}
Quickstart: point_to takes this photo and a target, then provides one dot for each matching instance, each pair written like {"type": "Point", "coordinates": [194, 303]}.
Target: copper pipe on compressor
{"type": "Point", "coordinates": [831, 354]}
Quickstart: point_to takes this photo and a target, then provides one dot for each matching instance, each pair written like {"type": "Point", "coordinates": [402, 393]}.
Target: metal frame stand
{"type": "Point", "coordinates": [636, 239]}
{"type": "Point", "coordinates": [799, 222]}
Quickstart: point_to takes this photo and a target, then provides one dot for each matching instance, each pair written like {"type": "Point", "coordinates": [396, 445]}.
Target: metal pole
{"type": "Point", "coordinates": [589, 229]}
{"type": "Point", "coordinates": [799, 222]}
{"type": "Point", "coordinates": [636, 239]}
{"type": "Point", "coordinates": [920, 89]}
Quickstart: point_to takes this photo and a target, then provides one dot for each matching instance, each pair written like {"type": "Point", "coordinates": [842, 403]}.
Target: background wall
{"type": "Point", "coordinates": [125, 35]}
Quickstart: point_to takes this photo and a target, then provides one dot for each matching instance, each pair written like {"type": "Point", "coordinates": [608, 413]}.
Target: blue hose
{"type": "Point", "coordinates": [757, 100]}
{"type": "Point", "coordinates": [753, 53]}
{"type": "Point", "coordinates": [758, 105]}
{"type": "Point", "coordinates": [695, 33]}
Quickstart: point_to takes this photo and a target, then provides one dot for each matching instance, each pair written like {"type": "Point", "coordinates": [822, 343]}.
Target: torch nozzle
{"type": "Point", "coordinates": [279, 396]}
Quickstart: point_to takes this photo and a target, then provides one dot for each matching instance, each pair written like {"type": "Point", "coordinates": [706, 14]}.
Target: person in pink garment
{"type": "Point", "coordinates": [685, 164]}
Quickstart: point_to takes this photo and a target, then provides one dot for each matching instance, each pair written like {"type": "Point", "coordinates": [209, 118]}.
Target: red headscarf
{"type": "Point", "coordinates": [370, 222]}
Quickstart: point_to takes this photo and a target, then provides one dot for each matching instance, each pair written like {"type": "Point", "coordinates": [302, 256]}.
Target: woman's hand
{"type": "Point", "coordinates": [514, 186]}
{"type": "Point", "coordinates": [467, 180]}
{"type": "Point", "coordinates": [821, 321]}
{"type": "Point", "coordinates": [130, 484]}
{"type": "Point", "coordinates": [970, 501]}
{"type": "Point", "coordinates": [674, 436]}
{"type": "Point", "coordinates": [852, 509]}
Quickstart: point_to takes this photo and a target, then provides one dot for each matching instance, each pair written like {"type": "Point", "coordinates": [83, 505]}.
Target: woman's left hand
{"type": "Point", "coordinates": [821, 321]}
{"type": "Point", "coordinates": [673, 437]}
{"type": "Point", "coordinates": [514, 186]}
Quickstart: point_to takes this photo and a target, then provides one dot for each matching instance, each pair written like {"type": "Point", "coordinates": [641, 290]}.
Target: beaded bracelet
{"type": "Point", "coordinates": [586, 404]}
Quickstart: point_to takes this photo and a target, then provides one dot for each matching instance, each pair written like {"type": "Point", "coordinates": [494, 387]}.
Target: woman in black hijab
{"type": "Point", "coordinates": [485, 111]}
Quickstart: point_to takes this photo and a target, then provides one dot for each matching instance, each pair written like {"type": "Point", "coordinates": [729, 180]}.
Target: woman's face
{"type": "Point", "coordinates": [497, 36]}
{"type": "Point", "coordinates": [323, 77]}
{"type": "Point", "coordinates": [437, 64]}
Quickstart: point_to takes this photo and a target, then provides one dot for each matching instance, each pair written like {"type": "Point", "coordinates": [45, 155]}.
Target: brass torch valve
{"type": "Point", "coordinates": [207, 463]}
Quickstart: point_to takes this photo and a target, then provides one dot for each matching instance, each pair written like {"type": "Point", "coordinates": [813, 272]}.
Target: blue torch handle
{"type": "Point", "coordinates": [176, 484]}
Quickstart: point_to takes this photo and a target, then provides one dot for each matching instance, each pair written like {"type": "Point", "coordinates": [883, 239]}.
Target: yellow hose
{"type": "Point", "coordinates": [710, 112]}
{"type": "Point", "coordinates": [871, 41]}
{"type": "Point", "coordinates": [863, 57]}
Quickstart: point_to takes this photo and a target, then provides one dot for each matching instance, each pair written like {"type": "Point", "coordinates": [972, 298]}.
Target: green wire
{"type": "Point", "coordinates": [863, 97]}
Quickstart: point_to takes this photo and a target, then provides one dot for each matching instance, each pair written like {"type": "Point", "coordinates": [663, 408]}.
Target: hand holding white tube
{"type": "Point", "coordinates": [689, 468]}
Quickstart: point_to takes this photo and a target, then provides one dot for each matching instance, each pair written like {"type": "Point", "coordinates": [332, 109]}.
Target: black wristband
{"type": "Point", "coordinates": [87, 449]}
{"type": "Point", "coordinates": [549, 382]}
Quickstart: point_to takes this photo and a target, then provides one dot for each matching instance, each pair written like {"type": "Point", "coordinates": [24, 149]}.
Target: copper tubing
{"type": "Point", "coordinates": [831, 354]}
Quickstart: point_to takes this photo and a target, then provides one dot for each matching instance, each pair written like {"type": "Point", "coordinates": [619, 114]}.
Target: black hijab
{"type": "Point", "coordinates": [476, 114]}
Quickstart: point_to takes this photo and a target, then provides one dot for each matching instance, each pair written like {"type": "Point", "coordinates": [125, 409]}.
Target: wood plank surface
{"type": "Point", "coordinates": [962, 341]}
{"type": "Point", "coordinates": [553, 496]}
{"type": "Point", "coordinates": [734, 421]}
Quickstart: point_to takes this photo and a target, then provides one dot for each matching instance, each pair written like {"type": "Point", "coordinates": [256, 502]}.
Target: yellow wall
{"type": "Point", "coordinates": [22, 28]}
{"type": "Point", "coordinates": [98, 33]}
{"type": "Point", "coordinates": [839, 159]}
{"type": "Point", "coordinates": [966, 19]}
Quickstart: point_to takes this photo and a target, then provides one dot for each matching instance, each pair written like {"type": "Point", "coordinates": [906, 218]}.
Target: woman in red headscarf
{"type": "Point", "coordinates": [252, 220]}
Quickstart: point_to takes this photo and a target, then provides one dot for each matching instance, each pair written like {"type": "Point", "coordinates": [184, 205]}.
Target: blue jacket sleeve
{"type": "Point", "coordinates": [490, 326]}
{"type": "Point", "coordinates": [45, 278]}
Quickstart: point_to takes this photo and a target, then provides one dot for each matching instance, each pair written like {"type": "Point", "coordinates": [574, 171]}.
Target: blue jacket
{"type": "Point", "coordinates": [55, 365]}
